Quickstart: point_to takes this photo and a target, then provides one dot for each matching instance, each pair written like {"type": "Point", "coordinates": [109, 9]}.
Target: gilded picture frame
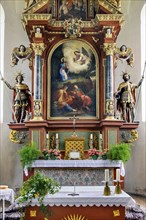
{"type": "Point", "coordinates": [73, 81]}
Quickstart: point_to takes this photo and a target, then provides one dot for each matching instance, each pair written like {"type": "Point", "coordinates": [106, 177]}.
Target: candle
{"type": "Point", "coordinates": [47, 135]}
{"type": "Point", "coordinates": [106, 175]}
{"type": "Point", "coordinates": [56, 135]}
{"type": "Point", "coordinates": [91, 136]}
{"type": "Point", "coordinates": [118, 174]}
{"type": "Point", "coordinates": [100, 136]}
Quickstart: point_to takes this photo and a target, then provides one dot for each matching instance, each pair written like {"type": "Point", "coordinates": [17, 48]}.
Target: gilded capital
{"type": "Point", "coordinates": [38, 48]}
{"type": "Point", "coordinates": [109, 48]}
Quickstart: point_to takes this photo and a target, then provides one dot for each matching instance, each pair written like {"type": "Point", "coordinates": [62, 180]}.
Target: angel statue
{"type": "Point", "coordinates": [23, 53]}
{"type": "Point", "coordinates": [22, 95]}
{"type": "Point", "coordinates": [125, 54]}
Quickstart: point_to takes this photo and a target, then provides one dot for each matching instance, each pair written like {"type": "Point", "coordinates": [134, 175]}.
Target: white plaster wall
{"type": "Point", "coordinates": [10, 167]}
{"type": "Point", "coordinates": [135, 179]}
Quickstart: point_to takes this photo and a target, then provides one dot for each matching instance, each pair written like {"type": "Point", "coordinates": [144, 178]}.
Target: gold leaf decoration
{"type": "Point", "coordinates": [74, 217]}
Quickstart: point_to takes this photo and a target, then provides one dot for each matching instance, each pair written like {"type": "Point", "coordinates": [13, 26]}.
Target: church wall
{"type": "Point", "coordinates": [135, 179]}
{"type": "Point", "coordinates": [10, 167]}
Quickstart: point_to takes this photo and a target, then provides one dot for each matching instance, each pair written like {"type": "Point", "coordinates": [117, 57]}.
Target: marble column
{"type": "Point", "coordinates": [38, 81]}
{"type": "Point", "coordinates": [109, 71]}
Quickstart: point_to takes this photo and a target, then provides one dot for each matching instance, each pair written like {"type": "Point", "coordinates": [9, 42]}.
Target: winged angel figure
{"type": "Point", "coordinates": [23, 53]}
{"type": "Point", "coordinates": [125, 54]}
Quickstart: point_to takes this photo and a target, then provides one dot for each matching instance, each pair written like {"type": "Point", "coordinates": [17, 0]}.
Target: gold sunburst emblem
{"type": "Point", "coordinates": [74, 217]}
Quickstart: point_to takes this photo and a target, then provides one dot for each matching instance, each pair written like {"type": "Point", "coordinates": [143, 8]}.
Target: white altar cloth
{"type": "Point", "coordinates": [79, 164]}
{"type": "Point", "coordinates": [6, 194]}
{"type": "Point", "coordinates": [88, 196]}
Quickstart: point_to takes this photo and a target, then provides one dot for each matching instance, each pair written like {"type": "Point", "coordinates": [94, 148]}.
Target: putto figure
{"type": "Point", "coordinates": [125, 54]}
{"type": "Point", "coordinates": [23, 53]}
{"type": "Point", "coordinates": [126, 98]}
{"type": "Point", "coordinates": [22, 96]}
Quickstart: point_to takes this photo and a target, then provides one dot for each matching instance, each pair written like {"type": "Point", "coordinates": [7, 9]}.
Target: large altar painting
{"type": "Point", "coordinates": [73, 80]}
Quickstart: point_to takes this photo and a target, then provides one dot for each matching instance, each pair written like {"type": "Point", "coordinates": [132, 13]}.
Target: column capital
{"type": "Point", "coordinates": [109, 48]}
{"type": "Point", "coordinates": [38, 48]}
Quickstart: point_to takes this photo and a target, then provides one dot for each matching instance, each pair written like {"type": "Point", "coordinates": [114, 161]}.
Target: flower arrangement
{"type": "Point", "coordinates": [52, 154]}
{"type": "Point", "coordinates": [95, 153]}
{"type": "Point", "coordinates": [37, 186]}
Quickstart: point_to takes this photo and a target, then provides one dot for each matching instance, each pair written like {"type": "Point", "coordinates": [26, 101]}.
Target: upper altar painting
{"type": "Point", "coordinates": [65, 9]}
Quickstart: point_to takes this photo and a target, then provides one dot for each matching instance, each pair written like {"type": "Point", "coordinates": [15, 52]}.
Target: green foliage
{"type": "Point", "coordinates": [37, 186]}
{"type": "Point", "coordinates": [28, 154]}
{"type": "Point", "coordinates": [121, 151]}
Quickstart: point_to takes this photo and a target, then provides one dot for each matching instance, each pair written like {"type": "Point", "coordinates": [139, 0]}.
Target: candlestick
{"type": "Point", "coordinates": [107, 191]}
{"type": "Point", "coordinates": [106, 175]}
{"type": "Point", "coordinates": [118, 174]}
{"type": "Point", "coordinates": [100, 147]}
{"type": "Point", "coordinates": [118, 188]}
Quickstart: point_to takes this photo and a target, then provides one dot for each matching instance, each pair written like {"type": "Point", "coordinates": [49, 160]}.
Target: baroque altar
{"type": "Point", "coordinates": [73, 57]}
{"type": "Point", "coordinates": [72, 107]}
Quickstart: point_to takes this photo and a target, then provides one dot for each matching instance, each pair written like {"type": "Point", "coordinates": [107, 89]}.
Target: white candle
{"type": "Point", "coordinates": [91, 136]}
{"type": "Point", "coordinates": [106, 175]}
{"type": "Point", "coordinates": [100, 136]}
{"type": "Point", "coordinates": [47, 135]}
{"type": "Point", "coordinates": [56, 135]}
{"type": "Point", "coordinates": [118, 174]}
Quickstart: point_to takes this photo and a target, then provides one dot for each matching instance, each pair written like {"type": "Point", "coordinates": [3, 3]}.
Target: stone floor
{"type": "Point", "coordinates": [140, 200]}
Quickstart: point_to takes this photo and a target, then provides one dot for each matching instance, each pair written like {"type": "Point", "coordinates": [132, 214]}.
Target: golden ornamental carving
{"type": "Point", "coordinates": [109, 17]}
{"type": "Point", "coordinates": [38, 48]}
{"type": "Point", "coordinates": [95, 39]}
{"type": "Point", "coordinates": [37, 110]}
{"type": "Point", "coordinates": [50, 39]}
{"type": "Point", "coordinates": [73, 27]}
{"type": "Point", "coordinates": [18, 137]}
{"type": "Point", "coordinates": [74, 217]}
{"type": "Point", "coordinates": [32, 7]}
{"type": "Point", "coordinates": [109, 48]}
{"type": "Point", "coordinates": [114, 6]}
{"type": "Point", "coordinates": [36, 17]}
{"type": "Point", "coordinates": [134, 136]}
{"type": "Point", "coordinates": [109, 108]}
{"type": "Point", "coordinates": [129, 136]}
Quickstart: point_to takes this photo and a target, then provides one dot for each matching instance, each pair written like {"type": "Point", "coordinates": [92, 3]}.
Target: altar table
{"type": "Point", "coordinates": [89, 204]}
{"type": "Point", "coordinates": [83, 172]}
{"type": "Point", "coordinates": [6, 194]}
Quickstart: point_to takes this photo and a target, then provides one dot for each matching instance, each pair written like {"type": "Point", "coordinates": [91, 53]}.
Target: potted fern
{"type": "Point", "coordinates": [28, 154]}
{"type": "Point", "coordinates": [121, 151]}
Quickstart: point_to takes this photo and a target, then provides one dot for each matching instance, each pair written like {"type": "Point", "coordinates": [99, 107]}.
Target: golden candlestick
{"type": "Point", "coordinates": [118, 188]}
{"type": "Point", "coordinates": [107, 191]}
